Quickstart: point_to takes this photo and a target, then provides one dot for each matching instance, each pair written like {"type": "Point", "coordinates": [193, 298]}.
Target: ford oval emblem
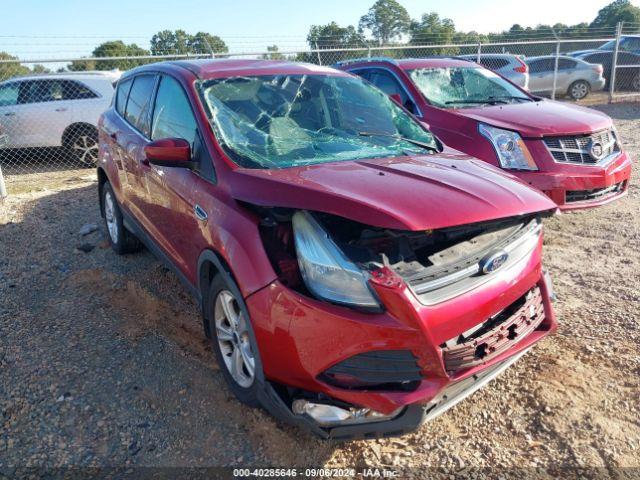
{"type": "Point", "coordinates": [493, 262]}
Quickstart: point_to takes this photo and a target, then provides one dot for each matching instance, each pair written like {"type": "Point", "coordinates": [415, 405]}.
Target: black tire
{"type": "Point", "coordinates": [82, 143]}
{"type": "Point", "coordinates": [122, 240]}
{"type": "Point", "coordinates": [247, 395]}
{"type": "Point", "coordinates": [579, 89]}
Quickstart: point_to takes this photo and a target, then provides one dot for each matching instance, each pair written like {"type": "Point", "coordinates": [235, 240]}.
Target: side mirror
{"type": "Point", "coordinates": [169, 152]}
{"type": "Point", "coordinates": [396, 98]}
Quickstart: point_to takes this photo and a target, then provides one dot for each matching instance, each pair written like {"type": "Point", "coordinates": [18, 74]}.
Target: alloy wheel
{"type": "Point", "coordinates": [579, 90]}
{"type": "Point", "coordinates": [86, 148]}
{"type": "Point", "coordinates": [110, 218]}
{"type": "Point", "coordinates": [233, 338]}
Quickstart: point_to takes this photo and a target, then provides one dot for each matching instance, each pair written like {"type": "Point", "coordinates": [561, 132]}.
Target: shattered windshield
{"type": "Point", "coordinates": [459, 87]}
{"type": "Point", "coordinates": [280, 121]}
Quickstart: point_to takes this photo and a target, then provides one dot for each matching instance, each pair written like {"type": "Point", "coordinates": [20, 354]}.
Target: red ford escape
{"type": "Point", "coordinates": [571, 153]}
{"type": "Point", "coordinates": [354, 278]}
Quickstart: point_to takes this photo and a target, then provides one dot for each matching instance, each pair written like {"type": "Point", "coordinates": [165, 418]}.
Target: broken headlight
{"type": "Point", "coordinates": [510, 148]}
{"type": "Point", "coordinates": [326, 271]}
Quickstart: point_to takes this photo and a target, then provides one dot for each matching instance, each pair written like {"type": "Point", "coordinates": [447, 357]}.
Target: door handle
{"type": "Point", "coordinates": [10, 114]}
{"type": "Point", "coordinates": [61, 109]}
{"type": "Point", "coordinates": [200, 213]}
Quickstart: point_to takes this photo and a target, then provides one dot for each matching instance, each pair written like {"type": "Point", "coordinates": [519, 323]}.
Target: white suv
{"type": "Point", "coordinates": [55, 110]}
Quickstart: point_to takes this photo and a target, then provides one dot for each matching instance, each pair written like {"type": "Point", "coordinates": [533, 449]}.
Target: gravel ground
{"type": "Point", "coordinates": [103, 362]}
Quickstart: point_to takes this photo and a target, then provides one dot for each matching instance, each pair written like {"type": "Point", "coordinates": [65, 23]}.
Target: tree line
{"type": "Point", "coordinates": [386, 23]}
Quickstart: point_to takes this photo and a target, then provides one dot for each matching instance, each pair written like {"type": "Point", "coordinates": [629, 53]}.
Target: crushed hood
{"type": "Point", "coordinates": [408, 193]}
{"type": "Point", "coordinates": [536, 119]}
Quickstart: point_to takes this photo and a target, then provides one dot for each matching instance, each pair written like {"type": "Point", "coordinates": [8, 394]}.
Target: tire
{"type": "Point", "coordinates": [234, 344]}
{"type": "Point", "coordinates": [82, 142]}
{"type": "Point", "coordinates": [579, 89]}
{"type": "Point", "coordinates": [121, 240]}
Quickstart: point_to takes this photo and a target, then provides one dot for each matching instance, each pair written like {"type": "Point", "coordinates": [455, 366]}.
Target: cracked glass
{"type": "Point", "coordinates": [281, 121]}
{"type": "Point", "coordinates": [458, 87]}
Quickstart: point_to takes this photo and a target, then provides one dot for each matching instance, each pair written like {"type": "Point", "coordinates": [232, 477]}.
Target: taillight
{"type": "Point", "coordinates": [523, 68]}
{"type": "Point", "coordinates": [598, 69]}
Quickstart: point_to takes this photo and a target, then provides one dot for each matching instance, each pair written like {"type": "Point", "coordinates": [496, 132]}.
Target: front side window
{"type": "Point", "coordinates": [280, 121]}
{"type": "Point", "coordinates": [172, 114]}
{"type": "Point", "coordinates": [137, 109]}
{"type": "Point", "coordinates": [40, 91]}
{"type": "Point", "coordinates": [459, 87]}
{"type": "Point", "coordinates": [542, 65]}
{"type": "Point", "coordinates": [9, 94]}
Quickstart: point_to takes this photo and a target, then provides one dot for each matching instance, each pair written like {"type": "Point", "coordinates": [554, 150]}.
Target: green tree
{"type": "Point", "coordinates": [333, 35]}
{"type": "Point", "coordinates": [113, 48]}
{"type": "Point", "coordinates": [615, 12]}
{"type": "Point", "coordinates": [203, 42]}
{"type": "Point", "coordinates": [8, 70]}
{"type": "Point", "coordinates": [40, 69]}
{"type": "Point", "coordinates": [432, 29]}
{"type": "Point", "coordinates": [386, 20]}
{"type": "Point", "coordinates": [179, 42]}
{"type": "Point", "coordinates": [273, 54]}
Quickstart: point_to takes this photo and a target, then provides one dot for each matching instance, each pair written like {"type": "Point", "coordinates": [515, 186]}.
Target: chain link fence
{"type": "Point", "coordinates": [49, 107]}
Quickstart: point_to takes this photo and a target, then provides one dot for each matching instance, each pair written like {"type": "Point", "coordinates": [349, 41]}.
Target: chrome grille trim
{"type": "Point", "coordinates": [576, 149]}
{"type": "Point", "coordinates": [443, 288]}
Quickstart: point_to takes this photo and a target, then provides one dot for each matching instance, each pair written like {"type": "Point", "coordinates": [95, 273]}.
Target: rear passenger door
{"type": "Point", "coordinates": [131, 141]}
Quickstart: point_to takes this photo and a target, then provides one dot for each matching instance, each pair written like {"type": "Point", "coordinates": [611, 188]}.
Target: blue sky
{"type": "Point", "coordinates": [54, 28]}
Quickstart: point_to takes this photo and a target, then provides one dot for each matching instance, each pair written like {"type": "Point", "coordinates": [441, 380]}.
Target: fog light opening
{"type": "Point", "coordinates": [327, 415]}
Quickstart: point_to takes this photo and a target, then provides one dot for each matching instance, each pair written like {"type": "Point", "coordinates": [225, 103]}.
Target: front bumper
{"type": "Point", "coordinates": [573, 186]}
{"type": "Point", "coordinates": [300, 338]}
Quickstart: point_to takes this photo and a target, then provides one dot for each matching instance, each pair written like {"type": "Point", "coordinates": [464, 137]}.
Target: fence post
{"type": "Point", "coordinates": [614, 62]}
{"type": "Point", "coordinates": [555, 72]}
{"type": "Point", "coordinates": [368, 51]}
{"type": "Point", "coordinates": [318, 52]}
{"type": "Point", "coordinates": [3, 188]}
{"type": "Point", "coordinates": [479, 52]}
{"type": "Point", "coordinates": [213, 55]}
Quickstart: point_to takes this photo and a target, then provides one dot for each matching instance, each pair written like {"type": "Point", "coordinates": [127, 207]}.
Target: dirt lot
{"type": "Point", "coordinates": [103, 362]}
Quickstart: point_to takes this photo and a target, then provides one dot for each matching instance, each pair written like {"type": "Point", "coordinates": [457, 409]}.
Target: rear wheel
{"type": "Point", "coordinates": [83, 145]}
{"type": "Point", "coordinates": [579, 89]}
{"type": "Point", "coordinates": [122, 240]}
{"type": "Point", "coordinates": [233, 340]}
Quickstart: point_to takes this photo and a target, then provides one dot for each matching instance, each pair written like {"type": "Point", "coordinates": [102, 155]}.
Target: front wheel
{"type": "Point", "coordinates": [579, 89]}
{"type": "Point", "coordinates": [233, 340]}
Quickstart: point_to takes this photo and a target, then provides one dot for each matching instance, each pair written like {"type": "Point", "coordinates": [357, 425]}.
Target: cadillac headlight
{"type": "Point", "coordinates": [512, 153]}
{"type": "Point", "coordinates": [326, 271]}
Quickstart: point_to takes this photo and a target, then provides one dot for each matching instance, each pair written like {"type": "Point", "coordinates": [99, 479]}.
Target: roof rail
{"type": "Point", "coordinates": [366, 59]}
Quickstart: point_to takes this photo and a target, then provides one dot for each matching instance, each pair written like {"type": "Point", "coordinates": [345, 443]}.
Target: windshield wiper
{"type": "Point", "coordinates": [488, 101]}
{"type": "Point", "coordinates": [418, 143]}
{"type": "Point", "coordinates": [512, 97]}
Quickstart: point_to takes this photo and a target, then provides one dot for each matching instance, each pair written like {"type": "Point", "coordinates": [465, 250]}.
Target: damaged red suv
{"type": "Point", "coordinates": [353, 277]}
{"type": "Point", "coordinates": [571, 153]}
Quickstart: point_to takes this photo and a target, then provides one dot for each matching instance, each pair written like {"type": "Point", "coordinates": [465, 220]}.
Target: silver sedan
{"type": "Point", "coordinates": [576, 78]}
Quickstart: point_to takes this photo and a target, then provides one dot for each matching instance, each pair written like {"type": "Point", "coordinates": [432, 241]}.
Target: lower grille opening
{"type": "Point", "coordinates": [594, 194]}
{"type": "Point", "coordinates": [390, 370]}
{"type": "Point", "coordinates": [480, 344]}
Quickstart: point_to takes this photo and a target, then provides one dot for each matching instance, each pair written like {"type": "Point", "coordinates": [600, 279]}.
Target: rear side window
{"type": "Point", "coordinates": [137, 109]}
{"type": "Point", "coordinates": [121, 95]}
{"type": "Point", "coordinates": [41, 91]}
{"type": "Point", "coordinates": [566, 64]}
{"type": "Point", "coordinates": [73, 90]}
{"type": "Point", "coordinates": [542, 65]}
{"type": "Point", "coordinates": [172, 114]}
